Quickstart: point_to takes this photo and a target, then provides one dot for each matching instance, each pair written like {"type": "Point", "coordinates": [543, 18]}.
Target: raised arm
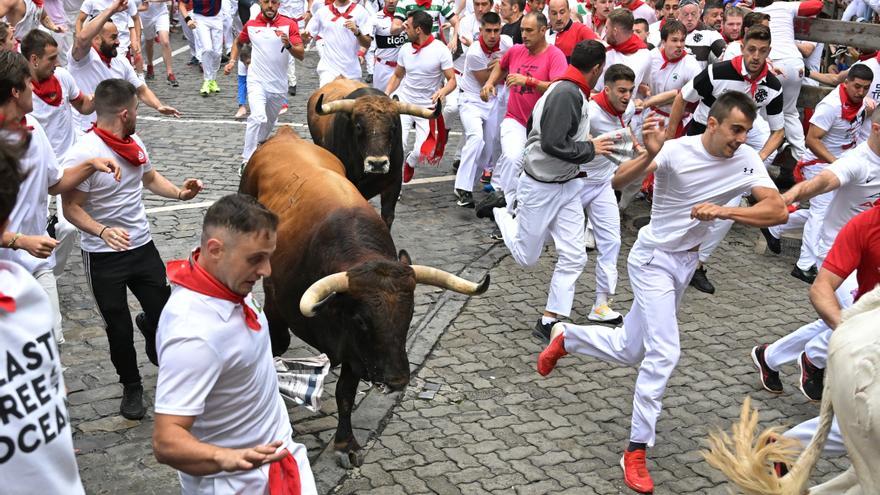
{"type": "Point", "coordinates": [82, 42]}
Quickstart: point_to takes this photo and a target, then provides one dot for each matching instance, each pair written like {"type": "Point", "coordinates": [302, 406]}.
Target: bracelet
{"type": "Point", "coordinates": [531, 82]}
{"type": "Point", "coordinates": [101, 234]}
{"type": "Point", "coordinates": [15, 238]}
{"type": "Point", "coordinates": [178, 194]}
{"type": "Point", "coordinates": [187, 18]}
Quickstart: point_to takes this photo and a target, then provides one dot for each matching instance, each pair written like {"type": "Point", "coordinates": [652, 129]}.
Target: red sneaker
{"type": "Point", "coordinates": [554, 350]}
{"type": "Point", "coordinates": [408, 173]}
{"type": "Point", "coordinates": [635, 471]}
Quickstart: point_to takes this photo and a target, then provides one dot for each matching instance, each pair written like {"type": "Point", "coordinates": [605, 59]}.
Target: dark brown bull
{"type": "Point", "coordinates": [361, 126]}
{"type": "Point", "coordinates": [335, 257]}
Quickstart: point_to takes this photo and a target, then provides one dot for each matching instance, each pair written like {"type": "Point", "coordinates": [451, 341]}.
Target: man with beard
{"type": "Point", "coordinates": [713, 15]}
{"type": "Point", "coordinates": [599, 13]}
{"type": "Point", "coordinates": [93, 59]}
{"type": "Point", "coordinates": [695, 177]}
{"type": "Point", "coordinates": [731, 24]}
{"type": "Point", "coordinates": [273, 39]}
{"type": "Point", "coordinates": [750, 74]}
{"type": "Point", "coordinates": [118, 251]}
{"type": "Point", "coordinates": [565, 32]}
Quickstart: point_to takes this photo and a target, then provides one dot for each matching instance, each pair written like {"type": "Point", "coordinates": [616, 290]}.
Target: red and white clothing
{"type": "Point", "coordinates": [122, 20]}
{"type": "Point", "coordinates": [339, 55]}
{"type": "Point", "coordinates": [387, 48]}
{"type": "Point", "coordinates": [667, 75]}
{"type": "Point", "coordinates": [632, 53]}
{"type": "Point", "coordinates": [873, 91]}
{"type": "Point", "coordinates": [857, 249]}
{"type": "Point", "coordinates": [53, 110]}
{"type": "Point", "coordinates": [641, 10]}
{"type": "Point", "coordinates": [214, 367]}
{"type": "Point", "coordinates": [39, 447]}
{"type": "Point", "coordinates": [660, 267]}
{"type": "Point", "coordinates": [573, 33]}
{"type": "Point", "coordinates": [90, 70]}
{"type": "Point", "coordinates": [424, 68]}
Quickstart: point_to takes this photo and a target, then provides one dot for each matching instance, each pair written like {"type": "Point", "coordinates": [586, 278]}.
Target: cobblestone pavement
{"type": "Point", "coordinates": [494, 426]}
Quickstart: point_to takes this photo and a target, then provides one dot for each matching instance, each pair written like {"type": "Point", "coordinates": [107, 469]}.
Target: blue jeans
{"type": "Point", "coordinates": [242, 90]}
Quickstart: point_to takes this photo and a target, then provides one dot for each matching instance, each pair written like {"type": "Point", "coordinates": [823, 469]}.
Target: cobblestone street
{"type": "Point", "coordinates": [495, 425]}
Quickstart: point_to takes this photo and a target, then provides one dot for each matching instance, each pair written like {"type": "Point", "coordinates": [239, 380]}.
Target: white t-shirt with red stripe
{"type": "Point", "coordinates": [58, 121]}
{"type": "Point", "coordinates": [269, 58]}
{"type": "Point", "coordinates": [36, 444]}
{"type": "Point", "coordinates": [841, 135]}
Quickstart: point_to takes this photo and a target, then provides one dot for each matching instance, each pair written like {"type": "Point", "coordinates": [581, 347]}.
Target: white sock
{"type": "Point", "coordinates": [545, 320]}
{"type": "Point", "coordinates": [601, 298]}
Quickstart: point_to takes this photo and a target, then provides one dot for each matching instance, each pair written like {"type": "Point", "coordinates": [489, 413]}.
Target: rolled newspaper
{"type": "Point", "coordinates": [301, 380]}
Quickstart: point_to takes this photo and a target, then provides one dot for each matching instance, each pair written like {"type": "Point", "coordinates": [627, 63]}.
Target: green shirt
{"type": "Point", "coordinates": [437, 8]}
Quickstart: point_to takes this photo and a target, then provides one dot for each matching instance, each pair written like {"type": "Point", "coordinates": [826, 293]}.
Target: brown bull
{"type": "Point", "coordinates": [361, 126]}
{"type": "Point", "coordinates": [337, 281]}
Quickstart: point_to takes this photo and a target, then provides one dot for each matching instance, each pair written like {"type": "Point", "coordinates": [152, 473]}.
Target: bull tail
{"type": "Point", "coordinates": [748, 461]}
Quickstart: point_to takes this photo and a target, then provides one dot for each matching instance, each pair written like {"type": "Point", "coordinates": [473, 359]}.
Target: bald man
{"type": "Point", "coordinates": [565, 32]}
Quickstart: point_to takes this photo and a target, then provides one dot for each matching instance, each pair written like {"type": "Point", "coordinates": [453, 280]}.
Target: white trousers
{"type": "Point", "coordinates": [208, 39]}
{"type": "Point", "coordinates": [805, 431]}
{"type": "Point", "coordinates": [264, 113]}
{"type": "Point", "coordinates": [408, 122]}
{"type": "Point", "coordinates": [795, 221]}
{"type": "Point", "coordinates": [812, 337]}
{"type": "Point", "coordinates": [291, 72]}
{"type": "Point", "coordinates": [792, 78]}
{"type": "Point", "coordinates": [717, 232]}
{"type": "Point", "coordinates": [809, 255]}
{"type": "Point", "coordinates": [513, 141]}
{"type": "Point", "coordinates": [188, 34]}
{"type": "Point", "coordinates": [47, 281]}
{"type": "Point", "coordinates": [601, 207]}
{"type": "Point", "coordinates": [553, 209]}
{"type": "Point", "coordinates": [475, 116]}
{"type": "Point", "coordinates": [381, 75]}
{"type": "Point", "coordinates": [492, 132]}
{"type": "Point", "coordinates": [649, 334]}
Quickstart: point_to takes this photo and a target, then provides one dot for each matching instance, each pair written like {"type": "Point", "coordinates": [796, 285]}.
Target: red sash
{"type": "Point", "coordinates": [435, 143]}
{"type": "Point", "coordinates": [284, 477]}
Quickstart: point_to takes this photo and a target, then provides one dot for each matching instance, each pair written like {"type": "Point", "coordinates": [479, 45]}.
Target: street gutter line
{"type": "Point", "coordinates": [161, 60]}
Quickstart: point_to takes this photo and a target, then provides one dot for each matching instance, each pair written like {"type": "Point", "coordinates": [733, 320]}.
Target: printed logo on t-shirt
{"type": "Point", "coordinates": [697, 37]}
{"type": "Point", "coordinates": [760, 95]}
{"type": "Point", "coordinates": [141, 156]}
{"type": "Point", "coordinates": [747, 170]}
{"type": "Point", "coordinates": [527, 71]}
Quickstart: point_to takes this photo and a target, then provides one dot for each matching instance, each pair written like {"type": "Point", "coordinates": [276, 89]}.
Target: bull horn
{"type": "Point", "coordinates": [416, 110]}
{"type": "Point", "coordinates": [344, 105]}
{"type": "Point", "coordinates": [321, 290]}
{"type": "Point", "coordinates": [438, 278]}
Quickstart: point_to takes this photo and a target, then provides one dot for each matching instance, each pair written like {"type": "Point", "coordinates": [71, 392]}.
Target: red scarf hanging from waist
{"type": "Point", "coordinates": [849, 109]}
{"type": "Point", "coordinates": [737, 63]}
{"type": "Point", "coordinates": [667, 61]}
{"type": "Point", "coordinates": [284, 477]}
{"type": "Point", "coordinates": [337, 14]}
{"type": "Point", "coordinates": [48, 90]}
{"type": "Point", "coordinates": [126, 148]}
{"type": "Point", "coordinates": [434, 145]}
{"type": "Point", "coordinates": [630, 46]}
{"type": "Point", "coordinates": [188, 273]}
{"type": "Point", "coordinates": [486, 49]}
{"type": "Point", "coordinates": [418, 46]}
{"type": "Point", "coordinates": [572, 74]}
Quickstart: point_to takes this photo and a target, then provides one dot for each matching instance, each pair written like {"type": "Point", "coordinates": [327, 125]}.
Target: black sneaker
{"type": "Point", "coordinates": [291, 90]}
{"type": "Point", "coordinates": [50, 226]}
{"type": "Point", "coordinates": [494, 199]}
{"type": "Point", "coordinates": [812, 378]}
{"type": "Point", "coordinates": [368, 78]}
{"type": "Point", "coordinates": [701, 282]}
{"type": "Point", "coordinates": [496, 234]}
{"type": "Point", "coordinates": [769, 377]}
{"type": "Point", "coordinates": [224, 58]}
{"type": "Point", "coordinates": [193, 61]}
{"type": "Point", "coordinates": [465, 198]}
{"type": "Point", "coordinates": [132, 406]}
{"type": "Point", "coordinates": [542, 330]}
{"type": "Point", "coordinates": [455, 165]}
{"type": "Point", "coordinates": [807, 276]}
{"type": "Point", "coordinates": [149, 338]}
{"type": "Point", "coordinates": [773, 244]}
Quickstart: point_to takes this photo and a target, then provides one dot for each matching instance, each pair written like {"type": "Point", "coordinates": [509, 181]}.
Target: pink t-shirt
{"type": "Point", "coordinates": [545, 66]}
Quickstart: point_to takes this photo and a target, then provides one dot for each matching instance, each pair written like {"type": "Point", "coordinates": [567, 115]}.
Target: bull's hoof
{"type": "Point", "coordinates": [350, 459]}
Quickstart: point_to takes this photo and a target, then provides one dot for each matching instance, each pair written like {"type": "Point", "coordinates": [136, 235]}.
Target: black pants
{"type": "Point", "coordinates": [141, 270]}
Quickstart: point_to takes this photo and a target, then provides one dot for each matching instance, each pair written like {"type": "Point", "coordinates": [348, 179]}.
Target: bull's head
{"type": "Point", "coordinates": [377, 301]}
{"type": "Point", "coordinates": [375, 125]}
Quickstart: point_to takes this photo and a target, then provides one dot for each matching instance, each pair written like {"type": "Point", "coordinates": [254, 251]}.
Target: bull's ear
{"type": "Point", "coordinates": [404, 257]}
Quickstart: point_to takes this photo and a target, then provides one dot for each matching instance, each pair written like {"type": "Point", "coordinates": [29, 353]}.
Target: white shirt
{"type": "Point", "coordinates": [841, 135]}
{"type": "Point", "coordinates": [91, 70]}
{"type": "Point", "coordinates": [782, 16]}
{"type": "Point", "coordinates": [122, 20]}
{"type": "Point", "coordinates": [639, 62]}
{"type": "Point", "coordinates": [468, 28]}
{"type": "Point", "coordinates": [601, 169]}
{"type": "Point", "coordinates": [40, 456]}
{"type": "Point", "coordinates": [735, 49]}
{"type": "Point", "coordinates": [216, 369]}
{"type": "Point", "coordinates": [644, 11]}
{"type": "Point", "coordinates": [293, 9]}
{"type": "Point", "coordinates": [687, 175]}
{"type": "Point", "coordinates": [269, 58]}
{"type": "Point", "coordinates": [41, 171]}
{"type": "Point", "coordinates": [858, 171]}
{"type": "Point", "coordinates": [58, 121]}
{"type": "Point", "coordinates": [654, 34]}
{"type": "Point", "coordinates": [117, 204]}
{"type": "Point", "coordinates": [477, 60]}
{"type": "Point", "coordinates": [674, 76]}
{"type": "Point", "coordinates": [424, 71]}
{"type": "Point", "coordinates": [387, 45]}
{"type": "Point", "coordinates": [29, 21]}
{"type": "Point", "coordinates": [340, 52]}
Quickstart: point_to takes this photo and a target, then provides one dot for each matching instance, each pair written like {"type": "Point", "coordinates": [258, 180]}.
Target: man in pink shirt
{"type": "Point", "coordinates": [529, 69]}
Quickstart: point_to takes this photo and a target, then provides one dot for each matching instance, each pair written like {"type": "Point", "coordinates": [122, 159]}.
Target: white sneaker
{"type": "Point", "coordinates": [604, 314]}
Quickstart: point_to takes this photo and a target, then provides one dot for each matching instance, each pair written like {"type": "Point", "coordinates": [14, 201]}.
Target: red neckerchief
{"type": "Point", "coordinates": [737, 63]}
{"type": "Point", "coordinates": [628, 47]}
{"type": "Point", "coordinates": [107, 60]}
{"type": "Point", "coordinates": [425, 4]}
{"type": "Point", "coordinates": [597, 22]}
{"type": "Point", "coordinates": [418, 46]}
{"type": "Point", "coordinates": [869, 55]}
{"type": "Point", "coordinates": [601, 99]}
{"type": "Point", "coordinates": [387, 14]}
{"type": "Point", "coordinates": [337, 14]}
{"type": "Point", "coordinates": [849, 109]}
{"type": "Point", "coordinates": [486, 49]}
{"type": "Point", "coordinates": [48, 90]}
{"type": "Point", "coordinates": [38, 3]}
{"type": "Point", "coordinates": [284, 477]}
{"type": "Point", "coordinates": [21, 125]}
{"type": "Point", "coordinates": [667, 61]}
{"type": "Point", "coordinates": [7, 303]}
{"type": "Point", "coordinates": [572, 74]}
{"type": "Point", "coordinates": [634, 5]}
{"type": "Point", "coordinates": [189, 274]}
{"type": "Point", "coordinates": [126, 148]}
